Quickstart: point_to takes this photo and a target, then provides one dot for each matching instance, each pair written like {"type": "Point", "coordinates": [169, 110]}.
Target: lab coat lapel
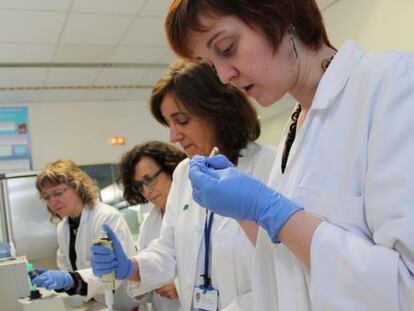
{"type": "Point", "coordinates": [83, 237]}
{"type": "Point", "coordinates": [337, 75]}
{"type": "Point", "coordinates": [331, 84]}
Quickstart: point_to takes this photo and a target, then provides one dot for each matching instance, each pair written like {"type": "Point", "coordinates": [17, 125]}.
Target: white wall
{"type": "Point", "coordinates": [272, 128]}
{"type": "Point", "coordinates": [376, 25]}
{"type": "Point", "coordinates": [80, 131]}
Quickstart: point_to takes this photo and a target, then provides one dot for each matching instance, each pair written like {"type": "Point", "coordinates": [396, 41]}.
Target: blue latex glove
{"type": "Point", "coordinates": [220, 187]}
{"type": "Point", "coordinates": [54, 279]}
{"type": "Point", "coordinates": [105, 260]}
{"type": "Point", "coordinates": [35, 273]}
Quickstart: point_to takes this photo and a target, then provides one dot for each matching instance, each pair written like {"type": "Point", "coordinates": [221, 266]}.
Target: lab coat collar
{"type": "Point", "coordinates": [85, 213]}
{"type": "Point", "coordinates": [245, 163]}
{"type": "Point", "coordinates": [337, 74]}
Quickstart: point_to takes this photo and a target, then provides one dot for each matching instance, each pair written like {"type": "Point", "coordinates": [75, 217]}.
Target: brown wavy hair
{"type": "Point", "coordinates": [67, 172]}
{"type": "Point", "coordinates": [272, 17]}
{"type": "Point", "coordinates": [196, 86]}
{"type": "Point", "coordinates": [165, 155]}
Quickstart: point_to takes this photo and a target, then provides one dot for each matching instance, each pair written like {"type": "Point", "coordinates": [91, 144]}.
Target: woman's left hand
{"type": "Point", "coordinates": [231, 193]}
{"type": "Point", "coordinates": [169, 291]}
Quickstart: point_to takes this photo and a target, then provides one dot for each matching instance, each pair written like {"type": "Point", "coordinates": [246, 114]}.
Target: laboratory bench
{"type": "Point", "coordinates": [52, 301]}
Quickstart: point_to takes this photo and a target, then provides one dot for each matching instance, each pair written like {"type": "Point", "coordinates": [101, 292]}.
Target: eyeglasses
{"type": "Point", "coordinates": [148, 181]}
{"type": "Point", "coordinates": [54, 195]}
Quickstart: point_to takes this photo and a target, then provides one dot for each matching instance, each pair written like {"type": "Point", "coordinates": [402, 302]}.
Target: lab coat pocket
{"type": "Point", "coordinates": [345, 211]}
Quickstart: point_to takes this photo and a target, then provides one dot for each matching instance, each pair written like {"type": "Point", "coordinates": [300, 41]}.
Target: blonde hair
{"type": "Point", "coordinates": [67, 172]}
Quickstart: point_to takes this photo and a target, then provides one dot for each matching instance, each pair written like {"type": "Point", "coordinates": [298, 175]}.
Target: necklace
{"type": "Point", "coordinates": [326, 62]}
{"type": "Point", "coordinates": [290, 138]}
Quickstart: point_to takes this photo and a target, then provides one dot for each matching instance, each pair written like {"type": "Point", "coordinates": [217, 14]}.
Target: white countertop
{"type": "Point", "coordinates": [76, 303]}
{"type": "Point", "coordinates": [52, 301]}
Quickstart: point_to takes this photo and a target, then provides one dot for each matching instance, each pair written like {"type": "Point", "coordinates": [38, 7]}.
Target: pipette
{"type": "Point", "coordinates": [108, 280]}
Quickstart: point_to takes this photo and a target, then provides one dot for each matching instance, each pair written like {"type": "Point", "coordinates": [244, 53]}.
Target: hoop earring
{"type": "Point", "coordinates": [291, 30]}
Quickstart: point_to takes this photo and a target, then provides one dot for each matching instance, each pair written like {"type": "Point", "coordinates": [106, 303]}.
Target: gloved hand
{"type": "Point", "coordinates": [35, 273]}
{"type": "Point", "coordinates": [226, 191]}
{"type": "Point", "coordinates": [105, 260]}
{"type": "Point", "coordinates": [54, 279]}
{"type": "Point", "coordinates": [218, 161]}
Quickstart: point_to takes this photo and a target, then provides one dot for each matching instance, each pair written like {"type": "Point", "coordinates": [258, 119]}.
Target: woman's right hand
{"type": "Point", "coordinates": [105, 260]}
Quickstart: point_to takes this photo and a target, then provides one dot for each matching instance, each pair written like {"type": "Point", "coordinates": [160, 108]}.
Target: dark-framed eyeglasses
{"type": "Point", "coordinates": [149, 180]}
{"type": "Point", "coordinates": [55, 194]}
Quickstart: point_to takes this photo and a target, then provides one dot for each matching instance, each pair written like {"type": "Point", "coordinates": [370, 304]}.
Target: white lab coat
{"type": "Point", "coordinates": [90, 228]}
{"type": "Point", "coordinates": [177, 250]}
{"type": "Point", "coordinates": [150, 230]}
{"type": "Point", "coordinates": [351, 166]}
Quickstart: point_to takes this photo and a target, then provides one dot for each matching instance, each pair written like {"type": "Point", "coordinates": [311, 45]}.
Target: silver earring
{"type": "Point", "coordinates": [292, 44]}
{"type": "Point", "coordinates": [291, 30]}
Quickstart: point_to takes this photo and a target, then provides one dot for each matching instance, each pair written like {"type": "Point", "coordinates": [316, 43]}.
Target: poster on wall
{"type": "Point", "coordinates": [15, 149]}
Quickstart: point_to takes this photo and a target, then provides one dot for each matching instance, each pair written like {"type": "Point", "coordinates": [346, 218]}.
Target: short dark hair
{"type": "Point", "coordinates": [272, 17]}
{"type": "Point", "coordinates": [196, 86]}
{"type": "Point", "coordinates": [165, 155]}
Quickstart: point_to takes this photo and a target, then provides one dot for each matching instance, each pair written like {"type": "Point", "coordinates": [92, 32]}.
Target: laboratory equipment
{"type": "Point", "coordinates": [14, 282]}
{"type": "Point", "coordinates": [24, 220]}
{"type": "Point", "coordinates": [5, 251]}
{"type": "Point", "coordinates": [38, 302]}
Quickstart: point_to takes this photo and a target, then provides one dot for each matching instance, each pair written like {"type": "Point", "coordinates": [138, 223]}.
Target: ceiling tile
{"type": "Point", "coordinates": [30, 27]}
{"type": "Point", "coordinates": [26, 53]}
{"type": "Point", "coordinates": [62, 95]}
{"type": "Point", "coordinates": [19, 96]}
{"type": "Point", "coordinates": [137, 54]}
{"type": "Point", "coordinates": [156, 8]}
{"type": "Point", "coordinates": [83, 53]}
{"type": "Point", "coordinates": [146, 31]}
{"type": "Point", "coordinates": [139, 94]}
{"type": "Point", "coordinates": [95, 29]}
{"type": "Point", "coordinates": [38, 5]}
{"type": "Point", "coordinates": [106, 95]}
{"type": "Point", "coordinates": [22, 77]}
{"type": "Point", "coordinates": [152, 76]}
{"type": "Point", "coordinates": [120, 76]}
{"type": "Point", "coordinates": [71, 76]}
{"type": "Point", "coordinates": [126, 7]}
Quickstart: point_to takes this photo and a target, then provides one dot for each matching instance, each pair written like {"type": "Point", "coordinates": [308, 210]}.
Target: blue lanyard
{"type": "Point", "coordinates": [207, 232]}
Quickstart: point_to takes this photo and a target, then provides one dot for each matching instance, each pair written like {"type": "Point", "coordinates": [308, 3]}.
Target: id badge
{"type": "Point", "coordinates": [205, 299]}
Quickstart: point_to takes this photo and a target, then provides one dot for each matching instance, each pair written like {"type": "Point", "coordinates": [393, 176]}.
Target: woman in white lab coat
{"type": "Point", "coordinates": [71, 198]}
{"type": "Point", "coordinates": [201, 113]}
{"type": "Point", "coordinates": [145, 174]}
{"type": "Point", "coordinates": [341, 196]}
